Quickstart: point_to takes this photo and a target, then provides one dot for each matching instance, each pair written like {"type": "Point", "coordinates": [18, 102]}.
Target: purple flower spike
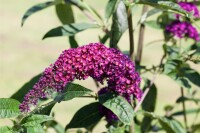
{"type": "Point", "coordinates": [183, 29]}
{"type": "Point", "coordinates": [93, 60]}
{"type": "Point", "coordinates": [190, 7]}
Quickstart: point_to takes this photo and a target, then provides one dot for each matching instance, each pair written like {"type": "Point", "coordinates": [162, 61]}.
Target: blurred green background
{"type": "Point", "coordinates": [23, 53]}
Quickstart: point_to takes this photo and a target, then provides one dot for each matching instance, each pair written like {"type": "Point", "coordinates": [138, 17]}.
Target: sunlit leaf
{"type": "Point", "coordinates": [119, 106]}
{"type": "Point", "coordinates": [9, 108]}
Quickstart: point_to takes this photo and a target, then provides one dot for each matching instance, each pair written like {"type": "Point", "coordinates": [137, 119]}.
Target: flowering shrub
{"type": "Point", "coordinates": [127, 102]}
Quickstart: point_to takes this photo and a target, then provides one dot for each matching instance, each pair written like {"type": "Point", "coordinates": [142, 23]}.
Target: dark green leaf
{"type": "Point", "coordinates": [35, 129]}
{"type": "Point", "coordinates": [192, 75]}
{"type": "Point", "coordinates": [119, 24]}
{"type": "Point", "coordinates": [110, 8]}
{"type": "Point", "coordinates": [104, 38]}
{"type": "Point", "coordinates": [72, 91]}
{"type": "Point", "coordinates": [35, 120]}
{"type": "Point", "coordinates": [195, 128]}
{"type": "Point", "coordinates": [19, 95]}
{"type": "Point", "coordinates": [57, 127]}
{"type": "Point", "coordinates": [85, 117]}
{"type": "Point", "coordinates": [183, 99]}
{"type": "Point", "coordinates": [37, 8]}
{"type": "Point", "coordinates": [9, 108]}
{"type": "Point", "coordinates": [5, 129]}
{"type": "Point", "coordinates": [69, 29]}
{"type": "Point", "coordinates": [166, 5]}
{"type": "Point", "coordinates": [148, 104]}
{"type": "Point", "coordinates": [190, 111]}
{"type": "Point", "coordinates": [73, 42]}
{"type": "Point", "coordinates": [65, 13]}
{"type": "Point", "coordinates": [170, 126]}
{"type": "Point", "coordinates": [119, 106]}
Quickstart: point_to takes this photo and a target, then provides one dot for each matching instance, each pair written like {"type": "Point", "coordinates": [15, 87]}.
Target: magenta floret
{"type": "Point", "coordinates": [94, 60]}
{"type": "Point", "coordinates": [183, 29]}
{"type": "Point", "coordinates": [190, 7]}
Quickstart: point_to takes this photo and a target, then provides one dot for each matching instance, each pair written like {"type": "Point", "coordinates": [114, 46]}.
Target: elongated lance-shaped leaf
{"type": "Point", "coordinates": [167, 5]}
{"type": "Point", "coordinates": [111, 8]}
{"type": "Point", "coordinates": [72, 91]}
{"type": "Point", "coordinates": [119, 106]}
{"type": "Point", "coordinates": [119, 24]}
{"type": "Point", "coordinates": [148, 104]}
{"type": "Point", "coordinates": [5, 129]}
{"type": "Point", "coordinates": [169, 125]}
{"type": "Point", "coordinates": [9, 108]}
{"type": "Point", "coordinates": [38, 8]}
{"type": "Point", "coordinates": [19, 95]}
{"type": "Point", "coordinates": [69, 29]}
{"type": "Point", "coordinates": [35, 120]}
{"type": "Point", "coordinates": [86, 117]}
{"type": "Point", "coordinates": [189, 111]}
{"type": "Point", "coordinates": [66, 16]}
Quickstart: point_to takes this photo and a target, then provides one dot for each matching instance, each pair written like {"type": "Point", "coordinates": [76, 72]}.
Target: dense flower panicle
{"type": "Point", "coordinates": [183, 29]}
{"type": "Point", "coordinates": [94, 60]}
{"type": "Point", "coordinates": [190, 7]}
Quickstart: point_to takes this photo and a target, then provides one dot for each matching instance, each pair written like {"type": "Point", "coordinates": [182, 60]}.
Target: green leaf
{"type": "Point", "coordinates": [192, 75]}
{"type": "Point", "coordinates": [19, 95]}
{"type": "Point", "coordinates": [73, 42]}
{"type": "Point", "coordinates": [195, 128]}
{"type": "Point", "coordinates": [189, 111]}
{"type": "Point", "coordinates": [9, 108]}
{"type": "Point", "coordinates": [175, 69]}
{"type": "Point", "coordinates": [38, 8]}
{"type": "Point", "coordinates": [119, 106]}
{"type": "Point", "coordinates": [119, 24]}
{"type": "Point", "coordinates": [65, 13]}
{"type": "Point", "coordinates": [5, 129]}
{"type": "Point", "coordinates": [117, 129]}
{"type": "Point", "coordinates": [66, 16]}
{"type": "Point", "coordinates": [148, 104]}
{"type": "Point", "coordinates": [167, 5]}
{"type": "Point", "coordinates": [35, 120]}
{"type": "Point", "coordinates": [183, 99]}
{"type": "Point", "coordinates": [85, 117]}
{"type": "Point", "coordinates": [110, 8]}
{"type": "Point", "coordinates": [69, 29]}
{"type": "Point", "coordinates": [170, 126]}
{"type": "Point", "coordinates": [72, 91]}
{"type": "Point", "coordinates": [57, 127]}
{"type": "Point", "coordinates": [35, 129]}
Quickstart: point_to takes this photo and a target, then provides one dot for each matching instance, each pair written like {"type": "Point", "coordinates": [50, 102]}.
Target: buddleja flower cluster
{"type": "Point", "coordinates": [94, 60]}
{"type": "Point", "coordinates": [185, 29]}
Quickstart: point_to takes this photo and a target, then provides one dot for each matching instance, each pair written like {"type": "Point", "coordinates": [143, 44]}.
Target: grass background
{"type": "Point", "coordinates": [23, 54]}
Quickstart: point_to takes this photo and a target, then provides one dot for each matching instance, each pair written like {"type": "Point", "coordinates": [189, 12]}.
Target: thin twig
{"type": "Point", "coordinates": [141, 39]}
